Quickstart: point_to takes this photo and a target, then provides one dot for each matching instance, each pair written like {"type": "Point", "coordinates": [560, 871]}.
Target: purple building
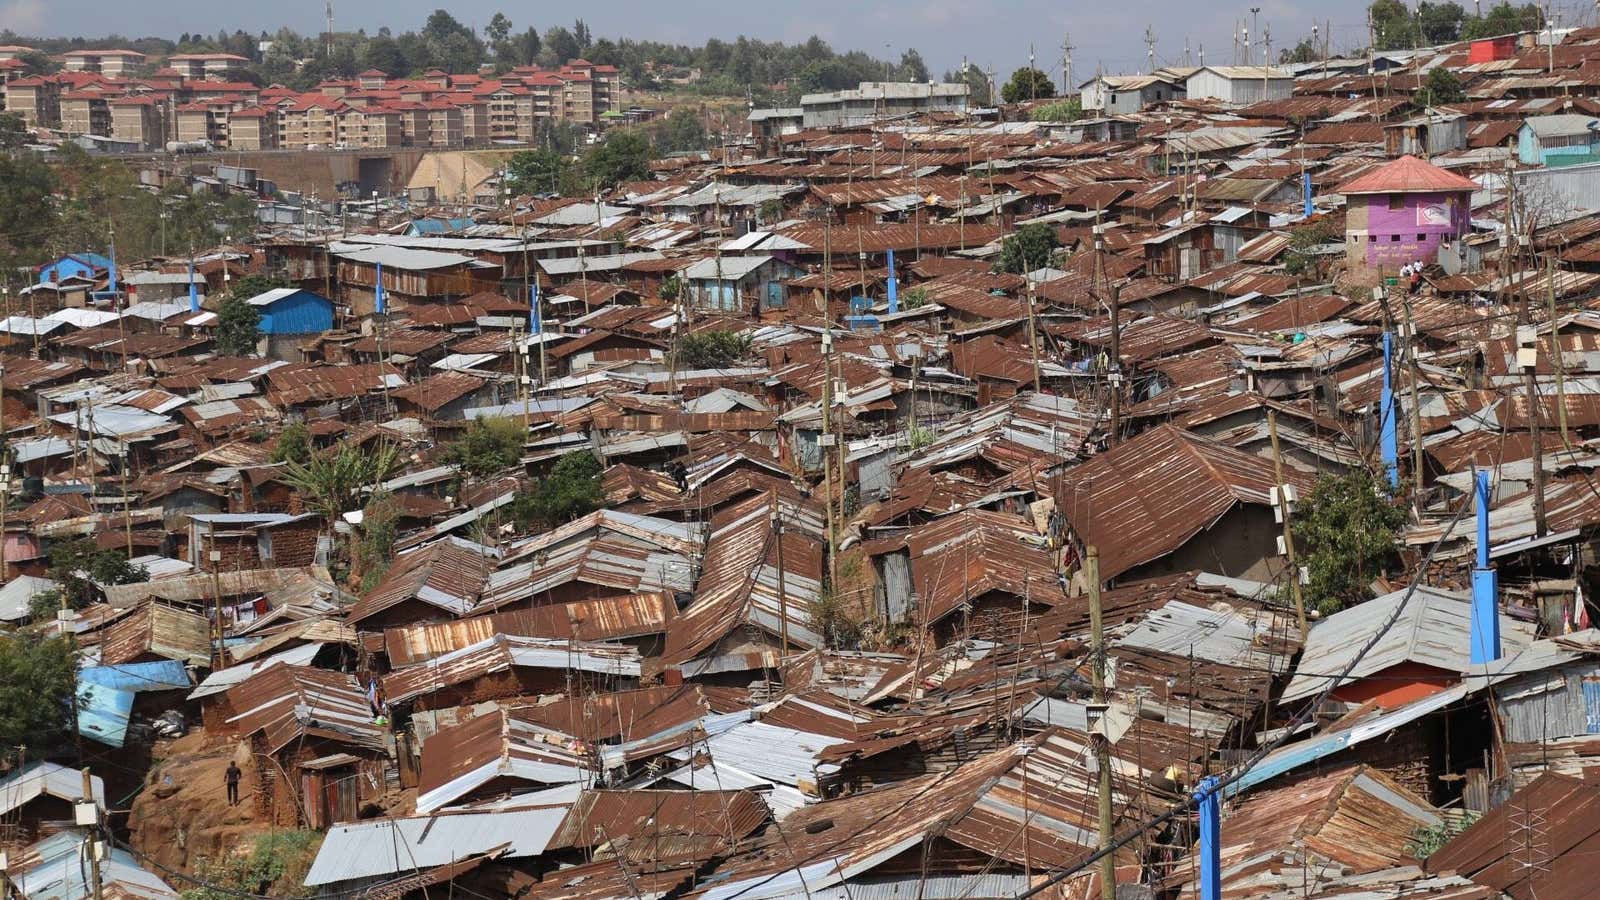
{"type": "Point", "coordinates": [1403, 212]}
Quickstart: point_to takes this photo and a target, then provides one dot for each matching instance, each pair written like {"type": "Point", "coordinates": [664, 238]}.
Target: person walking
{"type": "Point", "coordinates": [233, 775]}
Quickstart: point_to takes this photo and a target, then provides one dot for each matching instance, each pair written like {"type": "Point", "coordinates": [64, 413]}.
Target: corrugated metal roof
{"type": "Point", "coordinates": [1433, 630]}
{"type": "Point", "coordinates": [387, 846]}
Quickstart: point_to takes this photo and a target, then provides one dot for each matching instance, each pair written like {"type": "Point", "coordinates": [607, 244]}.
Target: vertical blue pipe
{"type": "Point", "coordinates": [194, 292]}
{"type": "Point", "coordinates": [378, 299]}
{"type": "Point", "coordinates": [535, 324]}
{"type": "Point", "coordinates": [1210, 810]}
{"type": "Point", "coordinates": [112, 272]}
{"type": "Point", "coordinates": [1390, 445]}
{"type": "Point", "coordinates": [894, 287]}
{"type": "Point", "coordinates": [1305, 188]}
{"type": "Point", "coordinates": [1485, 634]}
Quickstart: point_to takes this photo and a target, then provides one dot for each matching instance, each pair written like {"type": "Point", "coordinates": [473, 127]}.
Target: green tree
{"type": "Point", "coordinates": [1442, 86]}
{"type": "Point", "coordinates": [1504, 18]}
{"type": "Point", "coordinates": [671, 288]}
{"type": "Point", "coordinates": [13, 131]}
{"type": "Point", "coordinates": [524, 49]}
{"type": "Point", "coordinates": [1440, 23]}
{"type": "Point", "coordinates": [238, 327]}
{"type": "Point", "coordinates": [711, 349]}
{"type": "Point", "coordinates": [1060, 111]}
{"type": "Point", "coordinates": [1028, 248]}
{"type": "Point", "coordinates": [384, 54]}
{"type": "Point", "coordinates": [560, 46]}
{"type": "Point", "coordinates": [372, 551]}
{"type": "Point", "coordinates": [680, 130]}
{"type": "Point", "coordinates": [498, 31]}
{"type": "Point", "coordinates": [81, 568]}
{"type": "Point", "coordinates": [1303, 52]}
{"type": "Point", "coordinates": [623, 156]}
{"type": "Point", "coordinates": [27, 185]}
{"type": "Point", "coordinates": [572, 489]}
{"type": "Point", "coordinates": [1303, 238]}
{"type": "Point", "coordinates": [294, 444]}
{"type": "Point", "coordinates": [977, 84]}
{"type": "Point", "coordinates": [36, 678]}
{"type": "Point", "coordinates": [1028, 84]}
{"type": "Point", "coordinates": [1392, 27]}
{"type": "Point", "coordinates": [912, 68]}
{"type": "Point", "coordinates": [1347, 532]}
{"type": "Point", "coordinates": [537, 171]}
{"type": "Point", "coordinates": [336, 483]}
{"type": "Point", "coordinates": [489, 445]}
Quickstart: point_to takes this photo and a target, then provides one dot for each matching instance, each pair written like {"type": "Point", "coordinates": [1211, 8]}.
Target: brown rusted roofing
{"type": "Point", "coordinates": [1493, 852]}
{"type": "Point", "coordinates": [435, 391]}
{"type": "Point", "coordinates": [285, 702]}
{"type": "Point", "coordinates": [1348, 822]}
{"type": "Point", "coordinates": [960, 558]}
{"type": "Point", "coordinates": [159, 630]}
{"type": "Point", "coordinates": [446, 575]}
{"type": "Point", "coordinates": [739, 581]}
{"type": "Point", "coordinates": [296, 384]}
{"type": "Point", "coordinates": [1150, 495]}
{"type": "Point", "coordinates": [603, 619]}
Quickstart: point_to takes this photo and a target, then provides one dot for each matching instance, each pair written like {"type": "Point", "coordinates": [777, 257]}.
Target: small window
{"type": "Point", "coordinates": [1397, 201]}
{"type": "Point", "coordinates": [1422, 237]}
{"type": "Point", "coordinates": [1372, 239]}
{"type": "Point", "coordinates": [1394, 238]}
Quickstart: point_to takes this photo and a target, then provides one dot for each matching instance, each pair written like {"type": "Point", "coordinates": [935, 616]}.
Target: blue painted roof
{"type": "Point", "coordinates": [161, 675]}
{"type": "Point", "coordinates": [103, 714]}
{"type": "Point", "coordinates": [438, 226]}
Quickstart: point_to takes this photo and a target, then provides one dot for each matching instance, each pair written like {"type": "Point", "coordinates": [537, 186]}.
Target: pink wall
{"type": "Point", "coordinates": [1415, 230]}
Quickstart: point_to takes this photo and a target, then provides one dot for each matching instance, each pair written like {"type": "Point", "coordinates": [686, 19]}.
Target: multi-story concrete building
{"type": "Point", "coordinates": [875, 100]}
{"type": "Point", "coordinates": [253, 128]}
{"type": "Point", "coordinates": [37, 99]}
{"type": "Point", "coordinates": [219, 66]}
{"type": "Point", "coordinates": [110, 63]}
{"type": "Point", "coordinates": [367, 127]}
{"type": "Point", "coordinates": [85, 112]}
{"type": "Point", "coordinates": [140, 119]}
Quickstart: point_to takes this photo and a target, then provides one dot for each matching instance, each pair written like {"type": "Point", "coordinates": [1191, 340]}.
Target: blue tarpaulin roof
{"type": "Point", "coordinates": [106, 694]}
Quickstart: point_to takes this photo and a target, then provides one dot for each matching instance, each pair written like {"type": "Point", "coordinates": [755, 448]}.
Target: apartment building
{"type": "Point", "coordinates": [14, 51]}
{"type": "Point", "coordinates": [367, 127]}
{"type": "Point", "coordinates": [310, 122]}
{"type": "Point", "coordinates": [446, 124]}
{"type": "Point", "coordinates": [253, 128]}
{"type": "Point", "coordinates": [110, 63]}
{"type": "Point", "coordinates": [37, 99]}
{"type": "Point", "coordinates": [141, 119]}
{"type": "Point", "coordinates": [85, 112]}
{"type": "Point", "coordinates": [604, 90]}
{"type": "Point", "coordinates": [199, 66]}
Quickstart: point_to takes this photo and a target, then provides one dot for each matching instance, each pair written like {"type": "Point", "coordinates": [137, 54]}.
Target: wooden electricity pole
{"type": "Point", "coordinates": [1102, 744]}
{"type": "Point", "coordinates": [1288, 532]}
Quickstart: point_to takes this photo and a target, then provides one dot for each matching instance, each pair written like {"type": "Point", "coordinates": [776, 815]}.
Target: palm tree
{"type": "Point", "coordinates": [336, 483]}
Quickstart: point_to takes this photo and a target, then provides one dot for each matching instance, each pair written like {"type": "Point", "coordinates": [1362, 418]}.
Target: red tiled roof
{"type": "Point", "coordinates": [1407, 175]}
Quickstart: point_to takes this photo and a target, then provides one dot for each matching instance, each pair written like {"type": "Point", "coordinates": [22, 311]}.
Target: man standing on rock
{"type": "Point", "coordinates": [233, 775]}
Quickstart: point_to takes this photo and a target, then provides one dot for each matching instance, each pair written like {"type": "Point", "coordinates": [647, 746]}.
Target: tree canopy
{"type": "Point", "coordinates": [36, 678]}
{"type": "Point", "coordinates": [1346, 531]}
{"type": "Point", "coordinates": [1028, 84]}
{"type": "Point", "coordinates": [1028, 248]}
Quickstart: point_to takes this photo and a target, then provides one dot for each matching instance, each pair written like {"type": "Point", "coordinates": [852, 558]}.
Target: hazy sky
{"type": "Point", "coordinates": [993, 33]}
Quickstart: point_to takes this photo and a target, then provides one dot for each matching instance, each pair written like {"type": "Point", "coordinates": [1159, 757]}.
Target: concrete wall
{"type": "Point", "coordinates": [1387, 231]}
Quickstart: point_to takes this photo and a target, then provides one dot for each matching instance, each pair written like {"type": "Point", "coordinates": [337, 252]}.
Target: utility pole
{"type": "Point", "coordinates": [1149, 51]}
{"type": "Point", "coordinates": [1114, 369]}
{"type": "Point", "coordinates": [1556, 359]}
{"type": "Point", "coordinates": [1033, 342]}
{"type": "Point", "coordinates": [1415, 404]}
{"type": "Point", "coordinates": [783, 595]}
{"type": "Point", "coordinates": [827, 444]}
{"type": "Point", "coordinates": [1288, 531]}
{"type": "Point", "coordinates": [1102, 746]}
{"type": "Point", "coordinates": [1508, 262]}
{"type": "Point", "coordinates": [95, 840]}
{"type": "Point", "coordinates": [1066, 64]}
